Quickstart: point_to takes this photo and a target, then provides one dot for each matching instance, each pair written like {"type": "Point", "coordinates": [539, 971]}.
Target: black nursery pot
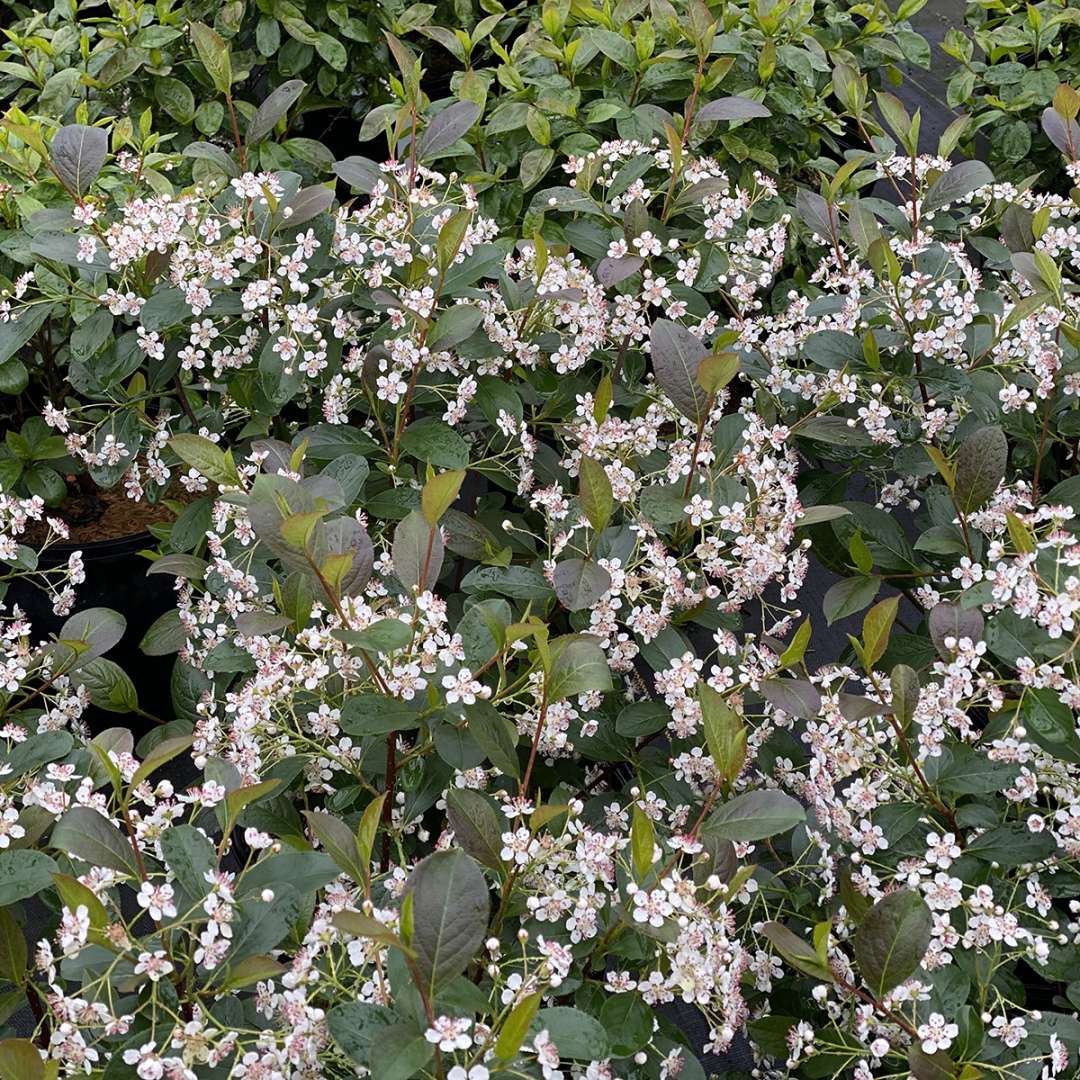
{"type": "Point", "coordinates": [115, 578]}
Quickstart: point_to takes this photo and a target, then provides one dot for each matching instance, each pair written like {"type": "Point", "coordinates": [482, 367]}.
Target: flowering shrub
{"type": "Point", "coordinates": [504, 712]}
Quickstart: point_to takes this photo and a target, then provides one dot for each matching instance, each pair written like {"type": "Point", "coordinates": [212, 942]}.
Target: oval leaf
{"type": "Point", "coordinates": [731, 108]}
{"type": "Point", "coordinates": [676, 356]}
{"type": "Point", "coordinates": [579, 583]}
{"type": "Point", "coordinates": [446, 128]}
{"type": "Point", "coordinates": [450, 913]}
{"type": "Point", "coordinates": [755, 816]}
{"type": "Point", "coordinates": [78, 153]}
{"type": "Point", "coordinates": [892, 940]}
{"type": "Point", "coordinates": [980, 468]}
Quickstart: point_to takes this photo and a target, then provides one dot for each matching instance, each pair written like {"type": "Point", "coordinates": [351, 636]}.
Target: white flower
{"type": "Point", "coordinates": [936, 1034]}
{"type": "Point", "coordinates": [449, 1033]}
{"type": "Point", "coordinates": [157, 900]}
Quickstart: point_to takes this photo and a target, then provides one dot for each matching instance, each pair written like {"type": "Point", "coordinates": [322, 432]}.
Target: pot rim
{"type": "Point", "coordinates": [96, 550]}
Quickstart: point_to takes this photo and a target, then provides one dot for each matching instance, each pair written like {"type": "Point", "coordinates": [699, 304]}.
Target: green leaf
{"type": "Point", "coordinates": [449, 243]}
{"type": "Point", "coordinates": [14, 378]}
{"type": "Point", "coordinates": [109, 686]}
{"type": "Point", "coordinates": [1012, 844]}
{"type": "Point", "coordinates": [517, 582]}
{"type": "Point", "coordinates": [89, 337]}
{"type": "Point", "coordinates": [450, 907]}
{"type": "Point", "coordinates": [715, 372]}
{"type": "Point", "coordinates": [535, 164]}
{"type": "Point", "coordinates": [176, 99]}
{"type": "Point", "coordinates": [400, 1052]}
{"type": "Point", "coordinates": [614, 46]}
{"type": "Point", "coordinates": [476, 824]}
{"type": "Point", "coordinates": [206, 458]}
{"type": "Point", "coordinates": [304, 871]}
{"type": "Point", "coordinates": [755, 815]}
{"type": "Point", "coordinates": [240, 798]}
{"type": "Point", "coordinates": [214, 154]}
{"type": "Point", "coordinates": [896, 117]}
{"type": "Point", "coordinates": [848, 596]}
{"type": "Point", "coordinates": [23, 873]}
{"type": "Point", "coordinates": [796, 650]}
{"type": "Point", "coordinates": [262, 926]}
{"type": "Point", "coordinates": [73, 894]}
{"type": "Point", "coordinates": [13, 954]}
{"type": "Point", "coordinates": [725, 732]}
{"type": "Point", "coordinates": [967, 771]}
{"type": "Point", "coordinates": [956, 183]}
{"type": "Point", "coordinates": [298, 530]}
{"type": "Point", "coordinates": [578, 666]}
{"type": "Point", "coordinates": [905, 693]}
{"type": "Point", "coordinates": [495, 735]}
{"type": "Point", "coordinates": [368, 828]}
{"type": "Point", "coordinates": [642, 841]}
{"type": "Point", "coordinates": [676, 356]}
{"type": "Point", "coordinates": [356, 1025]}
{"type": "Point", "coordinates": [417, 552]}
{"type": "Point", "coordinates": [276, 105]}
{"type": "Point", "coordinates": [516, 1026]}
{"type": "Point", "coordinates": [332, 51]}
{"type": "Point", "coordinates": [579, 583]}
{"type": "Point", "coordinates": [800, 954]}
{"type": "Point", "coordinates": [641, 718]}
{"type": "Point", "coordinates": [576, 1034]}
{"type": "Point", "coordinates": [189, 855]}
{"type": "Point", "coordinates": [181, 565]}
{"type": "Point", "coordinates": [663, 504]}
{"type": "Point", "coordinates": [628, 1020]}
{"type": "Point", "coordinates": [166, 635]}
{"type": "Point", "coordinates": [78, 153]}
{"type": "Point", "coordinates": [594, 487]}
{"type": "Point", "coordinates": [339, 842]}
{"type": "Point", "coordinates": [435, 442]}
{"type": "Point", "coordinates": [214, 54]}
{"type": "Point", "coordinates": [36, 751]}
{"type": "Point", "coordinates": [452, 327]}
{"type": "Point", "coordinates": [84, 834]}
{"type": "Point", "coordinates": [980, 465]}
{"type": "Point", "coordinates": [1051, 724]}
{"type": "Point", "coordinates": [15, 333]}
{"type": "Point", "coordinates": [892, 939]}
{"type": "Point", "coordinates": [208, 117]}
{"type": "Point", "coordinates": [877, 625]}
{"type": "Point", "coordinates": [439, 494]}
{"type": "Point", "coordinates": [251, 970]}
{"type": "Point", "coordinates": [373, 714]}
{"type": "Point", "coordinates": [20, 1060]}
{"type": "Point", "coordinates": [384, 636]}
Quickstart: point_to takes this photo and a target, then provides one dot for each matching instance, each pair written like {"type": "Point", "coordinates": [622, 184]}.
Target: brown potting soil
{"type": "Point", "coordinates": [106, 514]}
